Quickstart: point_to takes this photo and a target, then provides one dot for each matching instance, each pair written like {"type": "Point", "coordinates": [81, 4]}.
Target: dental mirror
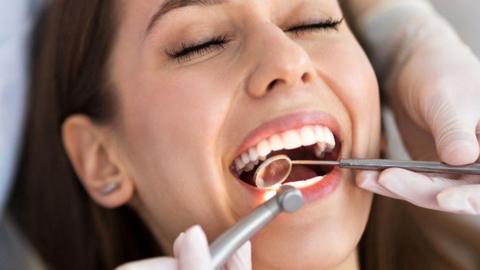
{"type": "Point", "coordinates": [275, 170]}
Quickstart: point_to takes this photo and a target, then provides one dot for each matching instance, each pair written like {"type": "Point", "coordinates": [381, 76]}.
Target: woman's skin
{"type": "Point", "coordinates": [178, 122]}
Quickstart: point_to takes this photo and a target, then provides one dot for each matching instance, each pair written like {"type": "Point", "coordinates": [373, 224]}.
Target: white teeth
{"type": "Point", "coordinates": [305, 183]}
{"type": "Point", "coordinates": [322, 146]}
{"type": "Point", "coordinates": [252, 154]}
{"type": "Point", "coordinates": [275, 143]}
{"type": "Point", "coordinates": [249, 167]}
{"type": "Point", "coordinates": [329, 138]}
{"type": "Point", "coordinates": [263, 148]}
{"type": "Point", "coordinates": [319, 149]}
{"type": "Point", "coordinates": [291, 139]}
{"type": "Point", "coordinates": [325, 135]}
{"type": "Point", "coordinates": [322, 137]}
{"type": "Point", "coordinates": [245, 158]}
{"type": "Point", "coordinates": [308, 136]}
{"type": "Point", "coordinates": [319, 134]}
{"type": "Point", "coordinates": [239, 164]}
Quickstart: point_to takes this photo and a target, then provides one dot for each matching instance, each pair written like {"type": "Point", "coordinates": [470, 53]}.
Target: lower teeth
{"type": "Point", "coordinates": [305, 183]}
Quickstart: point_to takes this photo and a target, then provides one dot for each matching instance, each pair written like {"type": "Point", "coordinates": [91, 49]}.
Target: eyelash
{"type": "Point", "coordinates": [328, 24]}
{"type": "Point", "coordinates": [188, 51]}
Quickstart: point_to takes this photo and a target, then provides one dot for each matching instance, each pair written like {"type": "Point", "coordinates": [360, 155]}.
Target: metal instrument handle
{"type": "Point", "coordinates": [224, 246]}
{"type": "Point", "coordinates": [416, 166]}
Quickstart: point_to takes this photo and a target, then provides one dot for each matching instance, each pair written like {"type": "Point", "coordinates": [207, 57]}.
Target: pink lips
{"type": "Point", "coordinates": [289, 122]}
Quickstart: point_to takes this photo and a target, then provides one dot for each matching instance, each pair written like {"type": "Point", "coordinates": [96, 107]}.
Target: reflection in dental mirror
{"type": "Point", "coordinates": [276, 170]}
{"type": "Point", "coordinates": [273, 171]}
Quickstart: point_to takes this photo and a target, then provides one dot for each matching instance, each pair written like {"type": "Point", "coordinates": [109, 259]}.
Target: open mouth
{"type": "Point", "coordinates": [311, 142]}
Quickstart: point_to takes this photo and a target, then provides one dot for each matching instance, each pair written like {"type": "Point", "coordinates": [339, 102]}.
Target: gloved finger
{"type": "Point", "coordinates": [461, 199]}
{"type": "Point", "coordinates": [163, 263]}
{"type": "Point", "coordinates": [418, 189]}
{"type": "Point", "coordinates": [478, 138]}
{"type": "Point", "coordinates": [177, 244]}
{"type": "Point", "coordinates": [192, 250]}
{"type": "Point", "coordinates": [242, 259]}
{"type": "Point", "coordinates": [368, 180]}
{"type": "Point", "coordinates": [453, 130]}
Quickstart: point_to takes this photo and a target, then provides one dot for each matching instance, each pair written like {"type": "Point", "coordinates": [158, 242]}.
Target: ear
{"type": "Point", "coordinates": [96, 162]}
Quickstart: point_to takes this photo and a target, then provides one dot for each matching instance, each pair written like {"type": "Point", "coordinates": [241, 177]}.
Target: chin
{"type": "Point", "coordinates": [322, 235]}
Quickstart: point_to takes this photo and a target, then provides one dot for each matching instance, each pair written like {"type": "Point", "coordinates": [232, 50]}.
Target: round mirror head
{"type": "Point", "coordinates": [273, 171]}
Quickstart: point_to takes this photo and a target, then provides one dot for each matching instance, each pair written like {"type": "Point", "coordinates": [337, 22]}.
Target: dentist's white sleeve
{"type": "Point", "coordinates": [15, 23]}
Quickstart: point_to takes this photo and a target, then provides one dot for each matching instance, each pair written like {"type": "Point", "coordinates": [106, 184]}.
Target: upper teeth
{"type": "Point", "coordinates": [290, 139]}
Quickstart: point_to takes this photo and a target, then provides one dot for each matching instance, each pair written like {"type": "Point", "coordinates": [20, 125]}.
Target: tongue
{"type": "Point", "coordinates": [301, 173]}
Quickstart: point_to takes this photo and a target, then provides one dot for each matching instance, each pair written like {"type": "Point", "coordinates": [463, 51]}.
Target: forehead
{"type": "Point", "coordinates": [169, 5]}
{"type": "Point", "coordinates": [149, 12]}
{"type": "Point", "coordinates": [158, 8]}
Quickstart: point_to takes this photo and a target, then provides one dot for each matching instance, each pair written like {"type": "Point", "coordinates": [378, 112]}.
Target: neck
{"type": "Point", "coordinates": [350, 263]}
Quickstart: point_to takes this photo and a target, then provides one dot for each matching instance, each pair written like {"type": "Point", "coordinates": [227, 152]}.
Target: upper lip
{"type": "Point", "coordinates": [288, 122]}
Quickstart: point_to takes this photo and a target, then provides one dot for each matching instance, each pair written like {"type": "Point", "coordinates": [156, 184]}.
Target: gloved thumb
{"type": "Point", "coordinates": [191, 250]}
{"type": "Point", "coordinates": [369, 180]}
{"type": "Point", "coordinates": [242, 259]}
{"type": "Point", "coordinates": [454, 132]}
{"type": "Point", "coordinates": [149, 264]}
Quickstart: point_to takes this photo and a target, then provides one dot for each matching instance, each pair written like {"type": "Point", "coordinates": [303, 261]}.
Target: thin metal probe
{"type": "Point", "coordinates": [380, 164]}
{"type": "Point", "coordinates": [275, 170]}
{"type": "Point", "coordinates": [288, 199]}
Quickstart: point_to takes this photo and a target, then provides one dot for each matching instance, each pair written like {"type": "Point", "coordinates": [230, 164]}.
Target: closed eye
{"type": "Point", "coordinates": [328, 24]}
{"type": "Point", "coordinates": [188, 51]}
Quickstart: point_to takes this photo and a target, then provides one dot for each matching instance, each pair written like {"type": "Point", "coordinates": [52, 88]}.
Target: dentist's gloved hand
{"type": "Point", "coordinates": [433, 84]}
{"type": "Point", "coordinates": [191, 253]}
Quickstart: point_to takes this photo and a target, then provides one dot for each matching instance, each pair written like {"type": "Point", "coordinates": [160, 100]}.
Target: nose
{"type": "Point", "coordinates": [281, 63]}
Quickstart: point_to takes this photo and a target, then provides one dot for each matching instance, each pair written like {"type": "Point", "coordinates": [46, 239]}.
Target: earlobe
{"type": "Point", "coordinates": [113, 194]}
{"type": "Point", "coordinates": [95, 162]}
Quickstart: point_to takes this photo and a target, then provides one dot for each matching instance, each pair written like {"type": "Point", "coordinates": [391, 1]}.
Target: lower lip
{"type": "Point", "coordinates": [326, 186]}
{"type": "Point", "coordinates": [315, 192]}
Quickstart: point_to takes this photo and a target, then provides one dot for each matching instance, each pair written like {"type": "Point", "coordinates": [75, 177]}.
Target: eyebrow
{"type": "Point", "coordinates": [170, 5]}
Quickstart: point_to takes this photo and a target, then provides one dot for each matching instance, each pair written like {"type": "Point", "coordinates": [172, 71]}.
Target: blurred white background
{"type": "Point", "coordinates": [465, 17]}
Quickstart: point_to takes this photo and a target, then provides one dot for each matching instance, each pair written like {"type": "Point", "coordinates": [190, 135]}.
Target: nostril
{"type": "Point", "coordinates": [306, 77]}
{"type": "Point", "coordinates": [272, 84]}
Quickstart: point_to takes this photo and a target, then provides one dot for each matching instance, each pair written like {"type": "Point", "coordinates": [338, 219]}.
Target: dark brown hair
{"type": "Point", "coordinates": [74, 40]}
{"type": "Point", "coordinates": [69, 231]}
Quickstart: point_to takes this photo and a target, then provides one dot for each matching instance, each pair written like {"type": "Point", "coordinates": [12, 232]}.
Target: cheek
{"type": "Point", "coordinates": [174, 113]}
{"type": "Point", "coordinates": [168, 136]}
{"type": "Point", "coordinates": [350, 74]}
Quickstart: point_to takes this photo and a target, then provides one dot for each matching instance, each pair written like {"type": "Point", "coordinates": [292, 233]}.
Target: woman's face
{"type": "Point", "coordinates": [201, 82]}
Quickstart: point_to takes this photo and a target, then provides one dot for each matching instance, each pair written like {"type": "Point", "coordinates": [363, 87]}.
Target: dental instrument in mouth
{"type": "Point", "coordinates": [275, 170]}
{"type": "Point", "coordinates": [288, 199]}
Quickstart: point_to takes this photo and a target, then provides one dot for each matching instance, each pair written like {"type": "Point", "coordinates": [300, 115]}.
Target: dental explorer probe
{"type": "Point", "coordinates": [288, 199]}
{"type": "Point", "coordinates": [416, 166]}
{"type": "Point", "coordinates": [276, 169]}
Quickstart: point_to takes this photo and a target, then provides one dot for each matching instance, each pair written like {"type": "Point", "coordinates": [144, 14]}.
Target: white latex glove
{"type": "Point", "coordinates": [192, 253]}
{"type": "Point", "coordinates": [432, 81]}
